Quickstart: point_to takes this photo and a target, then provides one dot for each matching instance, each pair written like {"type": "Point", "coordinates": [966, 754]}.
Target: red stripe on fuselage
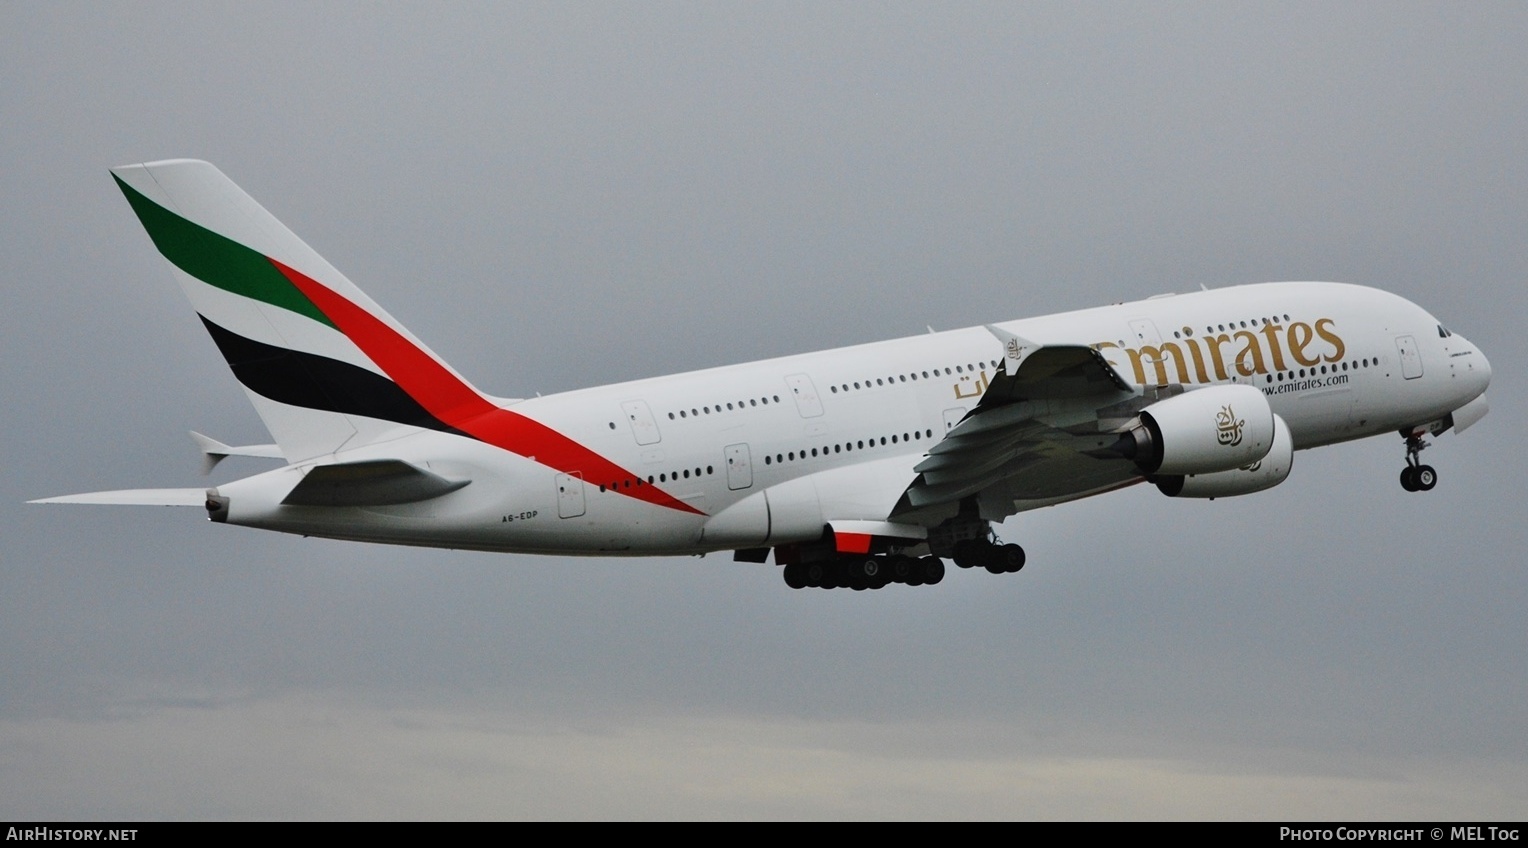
{"type": "Point", "coordinates": [457, 404]}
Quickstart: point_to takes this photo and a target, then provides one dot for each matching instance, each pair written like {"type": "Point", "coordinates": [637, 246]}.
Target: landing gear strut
{"type": "Point", "coordinates": [1416, 477]}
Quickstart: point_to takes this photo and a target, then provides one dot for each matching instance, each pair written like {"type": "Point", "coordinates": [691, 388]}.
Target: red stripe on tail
{"type": "Point", "coordinates": [457, 404]}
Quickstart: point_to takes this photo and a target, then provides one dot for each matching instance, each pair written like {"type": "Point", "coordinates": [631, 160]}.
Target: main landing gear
{"type": "Point", "coordinates": [875, 572]}
{"type": "Point", "coordinates": [1416, 477]}
{"type": "Point", "coordinates": [865, 572]}
{"type": "Point", "coordinates": [966, 539]}
{"type": "Point", "coordinates": [998, 559]}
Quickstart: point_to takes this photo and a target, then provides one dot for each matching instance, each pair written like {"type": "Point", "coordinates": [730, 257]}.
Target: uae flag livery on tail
{"type": "Point", "coordinates": [325, 366]}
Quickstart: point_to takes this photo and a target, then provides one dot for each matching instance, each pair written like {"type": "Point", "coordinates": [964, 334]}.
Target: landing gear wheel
{"type": "Point", "coordinates": [968, 553]}
{"type": "Point", "coordinates": [932, 569]}
{"type": "Point", "coordinates": [1409, 479]}
{"type": "Point", "coordinates": [1012, 557]}
{"type": "Point", "coordinates": [1424, 477]}
{"type": "Point", "coordinates": [861, 573]}
{"type": "Point", "coordinates": [1003, 559]}
{"type": "Point", "coordinates": [795, 575]}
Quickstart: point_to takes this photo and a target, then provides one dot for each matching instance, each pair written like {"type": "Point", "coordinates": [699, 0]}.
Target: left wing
{"type": "Point", "coordinates": [1038, 436]}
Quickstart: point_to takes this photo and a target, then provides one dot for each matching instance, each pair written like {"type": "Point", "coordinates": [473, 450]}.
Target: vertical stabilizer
{"type": "Point", "coordinates": [273, 307]}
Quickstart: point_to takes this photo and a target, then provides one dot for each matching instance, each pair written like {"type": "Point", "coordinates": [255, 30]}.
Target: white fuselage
{"type": "Point", "coordinates": [1336, 362]}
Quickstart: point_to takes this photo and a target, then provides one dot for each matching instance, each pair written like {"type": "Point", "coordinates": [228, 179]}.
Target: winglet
{"type": "Point", "coordinates": [1015, 348]}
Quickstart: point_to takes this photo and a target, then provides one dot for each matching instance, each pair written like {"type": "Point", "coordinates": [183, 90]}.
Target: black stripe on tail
{"type": "Point", "coordinates": [318, 382]}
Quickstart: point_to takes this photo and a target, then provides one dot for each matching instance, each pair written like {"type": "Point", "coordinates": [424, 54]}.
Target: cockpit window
{"type": "Point", "coordinates": [1442, 333]}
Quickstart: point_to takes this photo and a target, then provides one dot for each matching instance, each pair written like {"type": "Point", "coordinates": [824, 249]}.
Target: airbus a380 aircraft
{"type": "Point", "coordinates": [858, 466]}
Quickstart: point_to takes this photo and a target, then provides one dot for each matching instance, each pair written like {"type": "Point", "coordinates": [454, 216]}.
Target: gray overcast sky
{"type": "Point", "coordinates": [561, 195]}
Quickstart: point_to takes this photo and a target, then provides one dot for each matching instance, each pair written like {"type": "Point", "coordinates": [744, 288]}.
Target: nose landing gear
{"type": "Point", "coordinates": [1416, 477]}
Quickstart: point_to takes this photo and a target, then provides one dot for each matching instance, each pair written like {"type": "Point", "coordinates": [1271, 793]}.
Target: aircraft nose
{"type": "Point", "coordinates": [1478, 369]}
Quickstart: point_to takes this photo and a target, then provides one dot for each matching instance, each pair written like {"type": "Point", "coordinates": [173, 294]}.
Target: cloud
{"type": "Point", "coordinates": [334, 757]}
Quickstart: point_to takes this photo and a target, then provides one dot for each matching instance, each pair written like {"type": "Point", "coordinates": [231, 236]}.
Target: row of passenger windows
{"type": "Point", "coordinates": [1178, 334]}
{"type": "Point", "coordinates": [862, 444]}
{"type": "Point", "coordinates": [791, 456]}
{"type": "Point", "coordinates": [911, 375]}
{"type": "Point", "coordinates": [664, 477]}
{"type": "Point", "coordinates": [1280, 376]}
{"type": "Point", "coordinates": [707, 410]}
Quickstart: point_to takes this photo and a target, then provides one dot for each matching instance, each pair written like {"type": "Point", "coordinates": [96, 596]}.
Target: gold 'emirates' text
{"type": "Point", "coordinates": [1271, 347]}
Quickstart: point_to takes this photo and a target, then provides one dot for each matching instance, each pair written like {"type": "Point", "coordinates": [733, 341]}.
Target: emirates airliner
{"type": "Point", "coordinates": [857, 467]}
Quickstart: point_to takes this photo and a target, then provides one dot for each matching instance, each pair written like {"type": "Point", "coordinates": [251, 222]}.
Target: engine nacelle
{"type": "Point", "coordinates": [1219, 428]}
{"type": "Point", "coordinates": [1266, 473]}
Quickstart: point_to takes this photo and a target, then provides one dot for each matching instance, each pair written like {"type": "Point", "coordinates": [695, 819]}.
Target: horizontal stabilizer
{"type": "Point", "coordinates": [135, 497]}
{"type": "Point", "coordinates": [377, 482]}
{"type": "Point", "coordinates": [214, 451]}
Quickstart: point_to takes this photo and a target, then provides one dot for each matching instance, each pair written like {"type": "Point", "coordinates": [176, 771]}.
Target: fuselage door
{"type": "Point", "coordinates": [570, 495]}
{"type": "Point", "coordinates": [739, 467]}
{"type": "Point", "coordinates": [1411, 360]}
{"type": "Point", "coordinates": [807, 401]}
{"type": "Point", "coordinates": [1145, 332]}
{"type": "Point", "coordinates": [643, 426]}
{"type": "Point", "coordinates": [953, 417]}
{"type": "Point", "coordinates": [1143, 335]}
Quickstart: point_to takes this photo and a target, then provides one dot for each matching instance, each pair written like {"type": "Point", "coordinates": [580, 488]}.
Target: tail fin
{"type": "Point", "coordinates": [324, 366]}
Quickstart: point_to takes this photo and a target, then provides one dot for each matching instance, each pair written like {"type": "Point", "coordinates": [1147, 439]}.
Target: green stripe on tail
{"type": "Point", "coordinates": [217, 260]}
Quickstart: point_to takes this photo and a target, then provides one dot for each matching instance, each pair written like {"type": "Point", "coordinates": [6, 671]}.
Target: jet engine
{"type": "Point", "coordinates": [1265, 473]}
{"type": "Point", "coordinates": [1219, 428]}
